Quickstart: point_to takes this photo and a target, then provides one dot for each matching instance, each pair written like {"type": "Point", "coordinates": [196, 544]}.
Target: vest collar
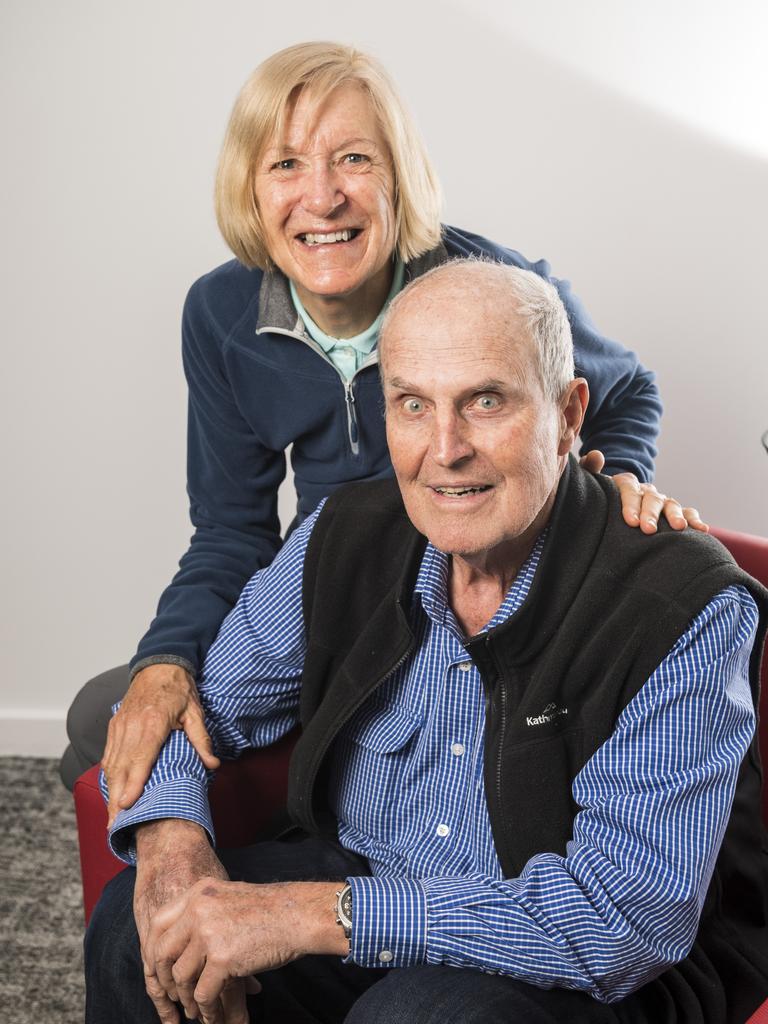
{"type": "Point", "coordinates": [574, 538]}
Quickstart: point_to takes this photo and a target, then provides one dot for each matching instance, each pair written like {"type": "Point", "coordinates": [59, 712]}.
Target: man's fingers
{"type": "Point", "coordinates": [186, 971]}
{"type": "Point", "coordinates": [208, 993]}
{"type": "Point", "coordinates": [193, 723]}
{"type": "Point", "coordinates": [163, 969]}
{"type": "Point", "coordinates": [212, 1012]}
{"type": "Point", "coordinates": [233, 1001]}
{"type": "Point", "coordinates": [166, 1010]}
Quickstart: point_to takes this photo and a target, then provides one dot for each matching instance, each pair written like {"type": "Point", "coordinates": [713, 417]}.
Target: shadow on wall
{"type": "Point", "coordinates": [656, 224]}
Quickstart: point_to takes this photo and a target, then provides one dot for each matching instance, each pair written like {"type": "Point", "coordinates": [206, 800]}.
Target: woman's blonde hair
{"type": "Point", "coordinates": [259, 116]}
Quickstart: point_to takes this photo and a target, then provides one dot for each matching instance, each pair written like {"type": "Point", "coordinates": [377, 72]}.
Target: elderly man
{"type": "Point", "coordinates": [523, 732]}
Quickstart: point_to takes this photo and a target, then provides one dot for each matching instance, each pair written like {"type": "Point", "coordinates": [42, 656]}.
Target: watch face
{"type": "Point", "coordinates": [346, 903]}
{"type": "Point", "coordinates": [344, 909]}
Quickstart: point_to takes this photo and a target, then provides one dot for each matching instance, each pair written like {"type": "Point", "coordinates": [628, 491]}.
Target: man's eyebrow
{"type": "Point", "coordinates": [492, 384]}
{"type": "Point", "coordinates": [399, 384]}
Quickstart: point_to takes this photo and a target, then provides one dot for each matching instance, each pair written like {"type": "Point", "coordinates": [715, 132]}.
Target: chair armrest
{"type": "Point", "coordinates": [760, 1016]}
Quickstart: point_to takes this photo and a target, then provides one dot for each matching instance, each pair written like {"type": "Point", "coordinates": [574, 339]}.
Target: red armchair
{"type": "Point", "coordinates": [245, 796]}
{"type": "Point", "coordinates": [247, 793]}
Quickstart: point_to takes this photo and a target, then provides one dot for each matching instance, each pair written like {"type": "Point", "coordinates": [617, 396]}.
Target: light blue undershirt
{"type": "Point", "coordinates": [349, 354]}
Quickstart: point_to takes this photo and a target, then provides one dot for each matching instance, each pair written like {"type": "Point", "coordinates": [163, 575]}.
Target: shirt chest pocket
{"type": "Point", "coordinates": [373, 768]}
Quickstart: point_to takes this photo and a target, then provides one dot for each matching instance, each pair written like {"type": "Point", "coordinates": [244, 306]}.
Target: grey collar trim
{"type": "Point", "coordinates": [434, 258]}
{"type": "Point", "coordinates": [276, 309]}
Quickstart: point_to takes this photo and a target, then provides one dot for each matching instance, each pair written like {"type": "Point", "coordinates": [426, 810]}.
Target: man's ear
{"type": "Point", "coordinates": [573, 405]}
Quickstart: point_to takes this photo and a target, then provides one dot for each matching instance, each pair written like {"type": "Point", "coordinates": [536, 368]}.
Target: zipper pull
{"type": "Point", "coordinates": [351, 418]}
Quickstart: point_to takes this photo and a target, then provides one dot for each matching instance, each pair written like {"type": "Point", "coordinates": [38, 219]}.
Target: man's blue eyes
{"type": "Point", "coordinates": [485, 402]}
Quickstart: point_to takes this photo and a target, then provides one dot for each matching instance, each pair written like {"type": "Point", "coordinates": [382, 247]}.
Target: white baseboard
{"type": "Point", "coordinates": [25, 732]}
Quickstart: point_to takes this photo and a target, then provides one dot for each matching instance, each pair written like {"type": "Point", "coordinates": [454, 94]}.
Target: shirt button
{"type": "Point", "coordinates": [457, 749]}
{"type": "Point", "coordinates": [465, 666]}
{"type": "Point", "coordinates": [385, 956]}
{"type": "Point", "coordinates": [443, 830]}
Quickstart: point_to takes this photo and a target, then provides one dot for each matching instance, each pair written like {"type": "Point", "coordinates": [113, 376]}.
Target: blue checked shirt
{"type": "Point", "coordinates": [407, 780]}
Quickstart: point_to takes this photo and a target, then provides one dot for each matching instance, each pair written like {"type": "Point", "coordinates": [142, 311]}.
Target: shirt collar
{"type": "Point", "coordinates": [364, 342]}
{"type": "Point", "coordinates": [432, 584]}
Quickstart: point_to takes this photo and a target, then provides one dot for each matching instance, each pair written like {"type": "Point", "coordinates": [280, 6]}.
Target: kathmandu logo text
{"type": "Point", "coordinates": [549, 714]}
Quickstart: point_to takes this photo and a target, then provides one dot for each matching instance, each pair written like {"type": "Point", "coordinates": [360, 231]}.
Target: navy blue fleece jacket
{"type": "Point", "coordinates": [258, 383]}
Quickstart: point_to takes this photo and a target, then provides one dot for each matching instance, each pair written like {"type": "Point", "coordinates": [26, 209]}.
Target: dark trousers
{"type": "Point", "coordinates": [322, 989]}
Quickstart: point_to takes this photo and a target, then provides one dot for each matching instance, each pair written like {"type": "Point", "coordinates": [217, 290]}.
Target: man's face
{"type": "Point", "coordinates": [325, 196]}
{"type": "Point", "coordinates": [476, 446]}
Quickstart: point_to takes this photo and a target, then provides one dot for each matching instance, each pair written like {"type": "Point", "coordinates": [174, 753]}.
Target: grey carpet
{"type": "Point", "coordinates": [41, 910]}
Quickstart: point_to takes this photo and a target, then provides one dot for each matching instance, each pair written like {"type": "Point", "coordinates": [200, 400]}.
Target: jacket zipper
{"type": "Point", "coordinates": [502, 718]}
{"type": "Point", "coordinates": [354, 443]}
{"type": "Point", "coordinates": [353, 433]}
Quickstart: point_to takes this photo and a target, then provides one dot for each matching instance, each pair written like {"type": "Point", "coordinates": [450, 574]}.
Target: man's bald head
{"type": "Point", "coordinates": [482, 408]}
{"type": "Point", "coordinates": [511, 302]}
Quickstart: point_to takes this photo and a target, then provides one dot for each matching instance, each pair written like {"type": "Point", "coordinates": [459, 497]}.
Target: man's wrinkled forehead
{"type": "Point", "coordinates": [472, 314]}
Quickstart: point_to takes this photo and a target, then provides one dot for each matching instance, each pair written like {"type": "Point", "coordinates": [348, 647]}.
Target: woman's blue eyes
{"type": "Point", "coordinates": [290, 162]}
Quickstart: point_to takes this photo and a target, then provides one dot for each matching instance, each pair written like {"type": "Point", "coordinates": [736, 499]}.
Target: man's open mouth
{"type": "Point", "coordinates": [461, 492]}
{"type": "Point", "coordinates": [329, 237]}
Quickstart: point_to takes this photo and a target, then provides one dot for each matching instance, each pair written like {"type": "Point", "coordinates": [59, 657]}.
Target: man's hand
{"type": "Point", "coordinates": [172, 856]}
{"type": "Point", "coordinates": [642, 504]}
{"type": "Point", "coordinates": [160, 698]}
{"type": "Point", "coordinates": [219, 932]}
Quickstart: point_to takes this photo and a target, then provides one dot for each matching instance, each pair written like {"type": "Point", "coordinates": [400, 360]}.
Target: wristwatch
{"type": "Point", "coordinates": [344, 909]}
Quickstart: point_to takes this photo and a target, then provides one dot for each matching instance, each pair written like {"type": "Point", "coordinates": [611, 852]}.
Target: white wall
{"type": "Point", "coordinates": [626, 144]}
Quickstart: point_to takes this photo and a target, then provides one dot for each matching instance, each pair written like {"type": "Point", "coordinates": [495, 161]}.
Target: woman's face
{"type": "Point", "coordinates": [325, 196]}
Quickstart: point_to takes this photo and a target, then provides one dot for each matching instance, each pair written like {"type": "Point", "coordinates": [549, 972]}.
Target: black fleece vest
{"type": "Point", "coordinates": [606, 606]}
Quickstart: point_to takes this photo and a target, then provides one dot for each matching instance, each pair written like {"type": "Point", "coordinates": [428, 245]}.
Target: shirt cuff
{"type": "Point", "coordinates": [389, 922]}
{"type": "Point", "coordinates": [184, 799]}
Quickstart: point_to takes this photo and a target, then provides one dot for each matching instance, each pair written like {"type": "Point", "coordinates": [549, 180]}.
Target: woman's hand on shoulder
{"type": "Point", "coordinates": [642, 504]}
